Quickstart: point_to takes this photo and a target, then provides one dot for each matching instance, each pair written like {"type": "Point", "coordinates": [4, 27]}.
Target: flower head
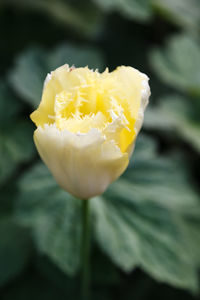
{"type": "Point", "coordinates": [87, 123]}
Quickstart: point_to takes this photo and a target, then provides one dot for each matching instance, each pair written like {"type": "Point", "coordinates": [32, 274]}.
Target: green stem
{"type": "Point", "coordinates": [85, 250]}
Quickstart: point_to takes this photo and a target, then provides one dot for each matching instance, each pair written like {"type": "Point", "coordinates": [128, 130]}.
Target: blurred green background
{"type": "Point", "coordinates": [146, 227]}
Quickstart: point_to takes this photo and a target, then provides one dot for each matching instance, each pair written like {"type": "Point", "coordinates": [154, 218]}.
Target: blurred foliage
{"type": "Point", "coordinates": [131, 223]}
{"type": "Point", "coordinates": [184, 13]}
{"type": "Point", "coordinates": [175, 66]}
{"type": "Point", "coordinates": [146, 227]}
{"type": "Point", "coordinates": [135, 9]}
{"type": "Point", "coordinates": [15, 147]}
{"type": "Point", "coordinates": [32, 67]}
{"type": "Point", "coordinates": [81, 17]}
{"type": "Point", "coordinates": [137, 226]}
{"type": "Point", "coordinates": [16, 253]}
{"type": "Point", "coordinates": [179, 66]}
{"type": "Point", "coordinates": [176, 115]}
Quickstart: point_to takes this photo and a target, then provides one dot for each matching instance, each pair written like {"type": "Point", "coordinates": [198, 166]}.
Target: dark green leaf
{"type": "Point", "coordinates": [28, 75]}
{"type": "Point", "coordinates": [179, 63]}
{"type": "Point", "coordinates": [145, 219]}
{"type": "Point", "coordinates": [139, 220]}
{"type": "Point", "coordinates": [184, 13]}
{"type": "Point", "coordinates": [84, 19]}
{"type": "Point", "coordinates": [32, 67]}
{"type": "Point", "coordinates": [33, 287]}
{"type": "Point", "coordinates": [14, 249]}
{"type": "Point", "coordinates": [74, 55]}
{"type": "Point", "coordinates": [9, 105]}
{"type": "Point", "coordinates": [16, 146]}
{"type": "Point", "coordinates": [54, 216]}
{"type": "Point", "coordinates": [132, 9]}
{"type": "Point", "coordinates": [7, 200]}
{"type": "Point", "coordinates": [176, 115]}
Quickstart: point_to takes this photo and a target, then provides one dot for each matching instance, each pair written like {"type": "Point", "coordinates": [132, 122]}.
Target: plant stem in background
{"type": "Point", "coordinates": [85, 251]}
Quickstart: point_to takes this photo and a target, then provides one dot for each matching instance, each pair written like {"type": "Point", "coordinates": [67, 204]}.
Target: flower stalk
{"type": "Point", "coordinates": [85, 251]}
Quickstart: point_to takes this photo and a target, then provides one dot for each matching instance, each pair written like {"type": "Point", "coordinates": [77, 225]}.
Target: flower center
{"type": "Point", "coordinates": [95, 101]}
{"type": "Point", "coordinates": [85, 107]}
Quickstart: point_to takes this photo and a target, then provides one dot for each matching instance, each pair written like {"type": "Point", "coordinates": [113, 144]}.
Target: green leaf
{"type": "Point", "coordinates": [104, 272]}
{"type": "Point", "coordinates": [16, 146]}
{"type": "Point", "coordinates": [34, 286]}
{"type": "Point", "coordinates": [33, 65]}
{"type": "Point", "coordinates": [77, 56]}
{"type": "Point", "coordinates": [84, 19]}
{"type": "Point", "coordinates": [9, 105]}
{"type": "Point", "coordinates": [145, 219]}
{"type": "Point", "coordinates": [28, 75]}
{"type": "Point", "coordinates": [144, 235]}
{"type": "Point", "coordinates": [179, 63]}
{"type": "Point", "coordinates": [55, 275]}
{"type": "Point", "coordinates": [132, 9]}
{"type": "Point", "coordinates": [7, 199]}
{"type": "Point", "coordinates": [14, 249]}
{"type": "Point", "coordinates": [178, 116]}
{"type": "Point", "coordinates": [54, 216]}
{"type": "Point", "coordinates": [140, 220]}
{"type": "Point", "coordinates": [184, 13]}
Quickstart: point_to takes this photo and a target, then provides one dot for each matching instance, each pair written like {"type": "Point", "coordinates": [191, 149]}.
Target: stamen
{"type": "Point", "coordinates": [51, 117]}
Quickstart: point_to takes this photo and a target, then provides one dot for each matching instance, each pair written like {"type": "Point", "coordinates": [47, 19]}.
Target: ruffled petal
{"type": "Point", "coordinates": [132, 93]}
{"type": "Point", "coordinates": [62, 79]}
{"type": "Point", "coordinates": [82, 164]}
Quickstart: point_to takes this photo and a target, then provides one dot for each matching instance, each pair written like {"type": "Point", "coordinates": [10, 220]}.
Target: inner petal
{"type": "Point", "coordinates": [90, 106]}
{"type": "Point", "coordinates": [96, 102]}
{"type": "Point", "coordinates": [82, 124]}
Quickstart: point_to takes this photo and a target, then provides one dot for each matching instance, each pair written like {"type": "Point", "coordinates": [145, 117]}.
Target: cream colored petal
{"type": "Point", "coordinates": [113, 129]}
{"type": "Point", "coordinates": [145, 94]}
{"type": "Point", "coordinates": [128, 88]}
{"type": "Point", "coordinates": [61, 79]}
{"type": "Point", "coordinates": [82, 164]}
{"type": "Point", "coordinates": [131, 92]}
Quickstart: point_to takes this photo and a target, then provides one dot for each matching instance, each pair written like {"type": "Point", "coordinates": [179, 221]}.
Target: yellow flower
{"type": "Point", "coordinates": [87, 123]}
